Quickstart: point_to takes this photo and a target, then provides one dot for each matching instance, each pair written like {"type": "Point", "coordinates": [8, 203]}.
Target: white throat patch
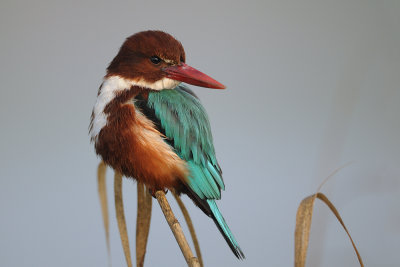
{"type": "Point", "coordinates": [164, 83]}
{"type": "Point", "coordinates": [108, 90]}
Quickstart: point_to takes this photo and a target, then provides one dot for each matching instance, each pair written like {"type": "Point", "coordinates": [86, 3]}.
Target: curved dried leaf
{"type": "Point", "coordinates": [191, 227]}
{"type": "Point", "coordinates": [119, 208]}
{"type": "Point", "coordinates": [302, 231]}
{"type": "Point", "coordinates": [142, 222]}
{"type": "Point", "coordinates": [303, 225]}
{"type": "Point", "coordinates": [334, 210]}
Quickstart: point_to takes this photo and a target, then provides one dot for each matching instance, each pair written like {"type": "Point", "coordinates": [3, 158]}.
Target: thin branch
{"type": "Point", "coordinates": [119, 208]}
{"type": "Point", "coordinates": [176, 230]}
{"type": "Point", "coordinates": [190, 226]}
{"type": "Point", "coordinates": [142, 222]}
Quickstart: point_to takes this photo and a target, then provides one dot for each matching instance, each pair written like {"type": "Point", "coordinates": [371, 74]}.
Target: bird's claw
{"type": "Point", "coordinates": [153, 191]}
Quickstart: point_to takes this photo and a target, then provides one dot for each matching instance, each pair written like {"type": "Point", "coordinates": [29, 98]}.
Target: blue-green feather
{"type": "Point", "coordinates": [185, 121]}
{"type": "Point", "coordinates": [223, 227]}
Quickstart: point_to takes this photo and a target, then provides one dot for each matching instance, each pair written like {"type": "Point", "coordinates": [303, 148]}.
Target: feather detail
{"type": "Point", "coordinates": [224, 229]}
{"type": "Point", "coordinates": [185, 122]}
{"type": "Point", "coordinates": [131, 144]}
{"type": "Point", "coordinates": [180, 116]}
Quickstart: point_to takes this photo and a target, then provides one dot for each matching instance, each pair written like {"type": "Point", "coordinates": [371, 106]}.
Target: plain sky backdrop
{"type": "Point", "coordinates": [312, 85]}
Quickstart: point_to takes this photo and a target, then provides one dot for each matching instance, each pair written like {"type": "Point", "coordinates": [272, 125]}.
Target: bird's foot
{"type": "Point", "coordinates": [153, 191]}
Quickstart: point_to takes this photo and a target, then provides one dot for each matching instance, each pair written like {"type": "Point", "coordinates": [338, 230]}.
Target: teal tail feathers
{"type": "Point", "coordinates": [224, 229]}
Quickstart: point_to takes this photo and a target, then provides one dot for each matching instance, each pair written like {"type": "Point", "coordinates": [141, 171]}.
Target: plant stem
{"type": "Point", "coordinates": [176, 229]}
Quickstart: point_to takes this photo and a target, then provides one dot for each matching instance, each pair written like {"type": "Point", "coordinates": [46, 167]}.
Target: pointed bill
{"type": "Point", "coordinates": [187, 74]}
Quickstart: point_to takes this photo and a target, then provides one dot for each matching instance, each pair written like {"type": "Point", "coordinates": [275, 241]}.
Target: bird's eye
{"type": "Point", "coordinates": [182, 59]}
{"type": "Point", "coordinates": [155, 60]}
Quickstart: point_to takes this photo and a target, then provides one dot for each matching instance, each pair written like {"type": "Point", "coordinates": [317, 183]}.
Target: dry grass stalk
{"type": "Point", "coordinates": [176, 230]}
{"type": "Point", "coordinates": [119, 209]}
{"type": "Point", "coordinates": [143, 219]}
{"type": "Point", "coordinates": [303, 224]}
{"type": "Point", "coordinates": [101, 182]}
{"type": "Point", "coordinates": [190, 226]}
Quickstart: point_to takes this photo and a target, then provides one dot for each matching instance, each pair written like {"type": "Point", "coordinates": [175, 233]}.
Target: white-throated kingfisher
{"type": "Point", "coordinates": [148, 126]}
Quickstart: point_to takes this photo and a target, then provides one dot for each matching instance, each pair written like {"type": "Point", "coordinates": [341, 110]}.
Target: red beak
{"type": "Point", "coordinates": [187, 74]}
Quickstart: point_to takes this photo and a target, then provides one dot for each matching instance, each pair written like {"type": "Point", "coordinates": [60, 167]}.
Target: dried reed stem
{"type": "Point", "coordinates": [119, 209]}
{"type": "Point", "coordinates": [190, 226]}
{"type": "Point", "coordinates": [176, 230]}
{"type": "Point", "coordinates": [142, 222]}
{"type": "Point", "coordinates": [101, 183]}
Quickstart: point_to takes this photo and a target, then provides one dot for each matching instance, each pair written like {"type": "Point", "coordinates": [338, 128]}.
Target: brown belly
{"type": "Point", "coordinates": [130, 144]}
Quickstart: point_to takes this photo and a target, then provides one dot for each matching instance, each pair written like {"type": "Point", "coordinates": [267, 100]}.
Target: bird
{"type": "Point", "coordinates": [149, 126]}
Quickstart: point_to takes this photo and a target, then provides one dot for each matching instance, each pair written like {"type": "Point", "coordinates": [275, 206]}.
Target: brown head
{"type": "Point", "coordinates": [156, 60]}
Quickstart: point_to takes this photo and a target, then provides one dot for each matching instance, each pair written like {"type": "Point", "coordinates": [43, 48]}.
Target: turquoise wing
{"type": "Point", "coordinates": [179, 114]}
{"type": "Point", "coordinates": [185, 123]}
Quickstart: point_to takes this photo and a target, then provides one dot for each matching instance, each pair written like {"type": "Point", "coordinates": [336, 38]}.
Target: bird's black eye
{"type": "Point", "coordinates": [182, 59]}
{"type": "Point", "coordinates": [155, 60]}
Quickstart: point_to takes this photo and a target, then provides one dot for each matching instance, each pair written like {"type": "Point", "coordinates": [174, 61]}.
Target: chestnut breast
{"type": "Point", "coordinates": [130, 143]}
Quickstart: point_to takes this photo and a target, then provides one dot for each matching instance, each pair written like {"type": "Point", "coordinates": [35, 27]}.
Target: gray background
{"type": "Point", "coordinates": [312, 85]}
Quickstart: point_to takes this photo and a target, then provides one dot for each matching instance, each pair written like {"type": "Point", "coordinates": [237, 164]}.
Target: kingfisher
{"type": "Point", "coordinates": [150, 127]}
